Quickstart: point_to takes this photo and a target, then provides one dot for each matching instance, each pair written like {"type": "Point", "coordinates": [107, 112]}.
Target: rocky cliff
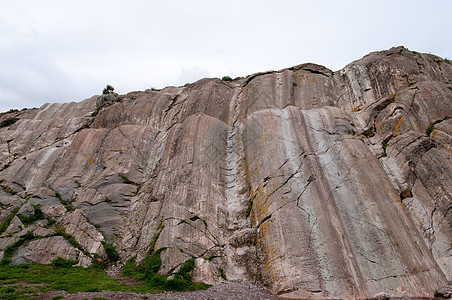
{"type": "Point", "coordinates": [304, 180]}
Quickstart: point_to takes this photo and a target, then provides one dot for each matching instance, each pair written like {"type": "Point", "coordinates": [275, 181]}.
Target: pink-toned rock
{"type": "Point", "coordinates": [310, 182]}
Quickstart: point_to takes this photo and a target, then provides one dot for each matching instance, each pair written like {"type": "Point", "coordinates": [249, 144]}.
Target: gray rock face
{"type": "Point", "coordinates": [44, 250]}
{"type": "Point", "coordinates": [304, 180]}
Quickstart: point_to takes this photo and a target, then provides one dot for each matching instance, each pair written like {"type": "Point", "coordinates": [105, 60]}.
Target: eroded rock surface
{"type": "Point", "coordinates": [304, 180]}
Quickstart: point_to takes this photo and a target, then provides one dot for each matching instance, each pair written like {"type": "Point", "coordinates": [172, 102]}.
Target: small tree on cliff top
{"type": "Point", "coordinates": [108, 90]}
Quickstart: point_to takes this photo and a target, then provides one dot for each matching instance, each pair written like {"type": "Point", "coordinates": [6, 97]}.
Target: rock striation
{"type": "Point", "coordinates": [306, 181]}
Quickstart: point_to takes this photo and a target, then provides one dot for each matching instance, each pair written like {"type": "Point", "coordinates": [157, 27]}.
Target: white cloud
{"type": "Point", "coordinates": [54, 50]}
{"type": "Point", "coordinates": [192, 75]}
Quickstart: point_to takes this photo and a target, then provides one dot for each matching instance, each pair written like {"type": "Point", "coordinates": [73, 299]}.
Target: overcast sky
{"type": "Point", "coordinates": [62, 50]}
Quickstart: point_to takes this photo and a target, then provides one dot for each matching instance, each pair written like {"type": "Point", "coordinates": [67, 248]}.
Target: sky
{"type": "Point", "coordinates": [64, 50]}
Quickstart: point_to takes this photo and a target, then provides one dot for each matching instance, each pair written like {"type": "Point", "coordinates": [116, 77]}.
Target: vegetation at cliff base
{"type": "Point", "coordinates": [148, 269]}
{"type": "Point", "coordinates": [27, 281]}
{"type": "Point", "coordinates": [17, 282]}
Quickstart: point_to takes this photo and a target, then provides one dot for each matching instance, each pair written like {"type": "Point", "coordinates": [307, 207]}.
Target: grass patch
{"type": "Point", "coordinates": [222, 274]}
{"type": "Point", "coordinates": [430, 127]}
{"type": "Point", "coordinates": [8, 253]}
{"type": "Point", "coordinates": [7, 221]}
{"type": "Point", "coordinates": [130, 268]}
{"type": "Point", "coordinates": [249, 208]}
{"type": "Point", "coordinates": [62, 231]}
{"type": "Point", "coordinates": [126, 180]}
{"type": "Point", "coordinates": [66, 204]}
{"type": "Point", "coordinates": [14, 292]}
{"type": "Point", "coordinates": [95, 112]}
{"type": "Point", "coordinates": [155, 238]}
{"type": "Point", "coordinates": [384, 145]}
{"type": "Point", "coordinates": [198, 218]}
{"type": "Point", "coordinates": [112, 255]}
{"type": "Point", "coordinates": [59, 197]}
{"type": "Point", "coordinates": [37, 215]}
{"type": "Point", "coordinates": [71, 279]}
{"type": "Point", "coordinates": [60, 262]}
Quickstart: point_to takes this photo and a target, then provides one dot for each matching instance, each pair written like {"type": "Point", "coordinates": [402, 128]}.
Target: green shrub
{"type": "Point", "coordinates": [176, 285]}
{"type": "Point", "coordinates": [98, 262]}
{"type": "Point", "coordinates": [249, 208]}
{"type": "Point", "coordinates": [222, 274]}
{"type": "Point", "coordinates": [429, 129]}
{"type": "Point", "coordinates": [108, 90]}
{"type": "Point", "coordinates": [8, 253]}
{"type": "Point", "coordinates": [151, 263]}
{"type": "Point", "coordinates": [130, 268]}
{"type": "Point", "coordinates": [150, 266]}
{"type": "Point", "coordinates": [226, 78]}
{"type": "Point", "coordinates": [60, 262]}
{"type": "Point", "coordinates": [62, 231]}
{"type": "Point", "coordinates": [111, 252]}
{"type": "Point", "coordinates": [59, 197]}
{"type": "Point", "coordinates": [155, 238]}
{"type": "Point", "coordinates": [37, 215]}
{"type": "Point", "coordinates": [157, 280]}
{"type": "Point", "coordinates": [66, 204]}
{"type": "Point", "coordinates": [384, 145]}
{"type": "Point", "coordinates": [184, 271]}
{"type": "Point", "coordinates": [126, 180]}
{"type": "Point", "coordinates": [7, 221]}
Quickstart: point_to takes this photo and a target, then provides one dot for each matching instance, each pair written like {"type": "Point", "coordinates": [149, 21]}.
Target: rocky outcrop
{"type": "Point", "coordinates": [304, 180]}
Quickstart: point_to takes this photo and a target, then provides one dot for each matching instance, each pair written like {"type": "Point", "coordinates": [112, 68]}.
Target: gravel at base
{"type": "Point", "coordinates": [224, 290]}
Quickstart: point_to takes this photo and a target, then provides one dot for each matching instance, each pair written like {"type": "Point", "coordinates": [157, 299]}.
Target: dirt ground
{"type": "Point", "coordinates": [225, 290]}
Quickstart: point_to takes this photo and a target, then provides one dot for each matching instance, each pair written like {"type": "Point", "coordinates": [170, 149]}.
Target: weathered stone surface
{"type": "Point", "coordinates": [44, 251]}
{"type": "Point", "coordinates": [16, 225]}
{"type": "Point", "coordinates": [310, 182]}
{"type": "Point", "coordinates": [84, 233]}
{"type": "Point", "coordinates": [27, 210]}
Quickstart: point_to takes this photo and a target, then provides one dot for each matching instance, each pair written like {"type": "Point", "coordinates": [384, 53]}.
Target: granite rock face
{"type": "Point", "coordinates": [304, 180]}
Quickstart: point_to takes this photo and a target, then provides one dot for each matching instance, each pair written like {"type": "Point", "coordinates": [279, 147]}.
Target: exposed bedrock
{"type": "Point", "coordinates": [304, 180]}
